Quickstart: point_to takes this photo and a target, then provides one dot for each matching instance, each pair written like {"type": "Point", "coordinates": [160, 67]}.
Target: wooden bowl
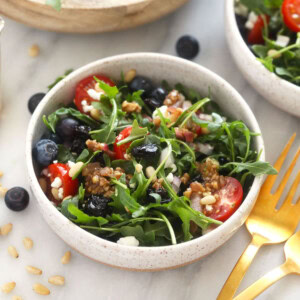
{"type": "Point", "coordinates": [88, 16]}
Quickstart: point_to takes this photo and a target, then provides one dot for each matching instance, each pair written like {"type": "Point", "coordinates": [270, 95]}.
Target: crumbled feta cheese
{"type": "Point", "coordinates": [85, 107]}
{"type": "Point", "coordinates": [128, 241]}
{"type": "Point", "coordinates": [70, 164]}
{"type": "Point", "coordinates": [241, 10]}
{"type": "Point", "coordinates": [186, 104]}
{"type": "Point", "coordinates": [252, 17]}
{"type": "Point", "coordinates": [170, 177]}
{"type": "Point", "coordinates": [56, 183]}
{"type": "Point", "coordinates": [208, 207]}
{"type": "Point", "coordinates": [55, 161]}
{"type": "Point", "coordinates": [170, 161]}
{"type": "Point", "coordinates": [61, 193]}
{"type": "Point", "coordinates": [206, 149]}
{"type": "Point", "coordinates": [249, 25]}
{"type": "Point", "coordinates": [163, 109]}
{"type": "Point", "coordinates": [282, 40]}
{"type": "Point", "coordinates": [94, 94]}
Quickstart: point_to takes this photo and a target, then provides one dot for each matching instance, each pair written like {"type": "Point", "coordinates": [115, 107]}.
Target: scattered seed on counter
{"type": "Point", "coordinates": [12, 251]}
{"type": "Point", "coordinates": [34, 50]}
{"type": "Point", "coordinates": [3, 191]}
{"type": "Point", "coordinates": [16, 298]}
{"type": "Point", "coordinates": [8, 287]}
{"type": "Point", "coordinates": [6, 229]}
{"type": "Point", "coordinates": [41, 289]}
{"type": "Point", "coordinates": [28, 243]}
{"type": "Point", "coordinates": [1, 173]}
{"type": "Point", "coordinates": [66, 258]}
{"type": "Point", "coordinates": [57, 280]}
{"type": "Point", "coordinates": [34, 270]}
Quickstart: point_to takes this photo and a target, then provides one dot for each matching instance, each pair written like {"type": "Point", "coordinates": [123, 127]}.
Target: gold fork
{"type": "Point", "coordinates": [266, 224]}
{"type": "Point", "coordinates": [291, 266]}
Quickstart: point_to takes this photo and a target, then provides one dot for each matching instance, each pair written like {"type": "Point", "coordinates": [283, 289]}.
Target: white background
{"type": "Point", "coordinates": [23, 76]}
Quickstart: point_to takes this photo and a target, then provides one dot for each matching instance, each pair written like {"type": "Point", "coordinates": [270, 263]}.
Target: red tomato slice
{"type": "Point", "coordinates": [121, 150]}
{"type": "Point", "coordinates": [84, 85]}
{"type": "Point", "coordinates": [291, 14]}
{"type": "Point", "coordinates": [231, 196]}
{"type": "Point", "coordinates": [62, 171]}
{"type": "Point", "coordinates": [255, 36]}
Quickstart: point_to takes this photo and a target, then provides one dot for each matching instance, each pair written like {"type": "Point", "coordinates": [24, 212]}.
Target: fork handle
{"type": "Point", "coordinates": [241, 267]}
{"type": "Point", "coordinates": [263, 283]}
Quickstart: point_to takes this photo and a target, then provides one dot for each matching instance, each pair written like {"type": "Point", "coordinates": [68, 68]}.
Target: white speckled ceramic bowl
{"type": "Point", "coordinates": [157, 67]}
{"type": "Point", "coordinates": [279, 92]}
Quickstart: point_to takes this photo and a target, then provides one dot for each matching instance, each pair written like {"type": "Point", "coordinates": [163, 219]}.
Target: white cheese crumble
{"type": "Point", "coordinates": [94, 94]}
{"type": "Point", "coordinates": [56, 183]}
{"type": "Point", "coordinates": [170, 177]}
{"type": "Point", "coordinates": [252, 18]}
{"type": "Point", "coordinates": [282, 40]}
{"type": "Point", "coordinates": [241, 10]}
{"type": "Point", "coordinates": [55, 161]}
{"type": "Point", "coordinates": [85, 107]}
{"type": "Point", "coordinates": [61, 193]}
{"type": "Point", "coordinates": [128, 241]}
{"type": "Point", "coordinates": [70, 164]}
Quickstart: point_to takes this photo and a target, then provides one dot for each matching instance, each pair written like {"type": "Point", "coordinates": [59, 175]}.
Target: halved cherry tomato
{"type": "Point", "coordinates": [231, 196]}
{"type": "Point", "coordinates": [121, 150]}
{"type": "Point", "coordinates": [255, 36]}
{"type": "Point", "coordinates": [291, 14]}
{"type": "Point", "coordinates": [62, 171]}
{"type": "Point", "coordinates": [84, 85]}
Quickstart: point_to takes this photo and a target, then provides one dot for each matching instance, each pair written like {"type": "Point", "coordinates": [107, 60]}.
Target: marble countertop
{"type": "Point", "coordinates": [23, 76]}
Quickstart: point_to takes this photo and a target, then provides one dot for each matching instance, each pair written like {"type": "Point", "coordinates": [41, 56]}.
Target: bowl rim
{"type": "Point", "coordinates": [147, 56]}
{"type": "Point", "coordinates": [231, 22]}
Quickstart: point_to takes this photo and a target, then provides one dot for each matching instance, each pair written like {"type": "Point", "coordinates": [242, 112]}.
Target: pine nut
{"type": "Point", "coordinates": [16, 298]}
{"type": "Point", "coordinates": [3, 191]}
{"type": "Point", "coordinates": [129, 76]}
{"type": "Point", "coordinates": [8, 287]}
{"type": "Point", "coordinates": [54, 192]}
{"type": "Point", "coordinates": [66, 258]}
{"type": "Point", "coordinates": [95, 179]}
{"type": "Point", "coordinates": [43, 184]}
{"type": "Point", "coordinates": [139, 168]}
{"type": "Point", "coordinates": [6, 229]}
{"type": "Point", "coordinates": [207, 200]}
{"type": "Point", "coordinates": [41, 289]}
{"type": "Point", "coordinates": [34, 270]}
{"type": "Point", "coordinates": [57, 280]}
{"type": "Point", "coordinates": [28, 243]}
{"type": "Point", "coordinates": [95, 114]}
{"type": "Point", "coordinates": [150, 171]}
{"type": "Point", "coordinates": [274, 53]}
{"type": "Point", "coordinates": [34, 51]}
{"type": "Point", "coordinates": [12, 251]}
{"type": "Point", "coordinates": [76, 168]}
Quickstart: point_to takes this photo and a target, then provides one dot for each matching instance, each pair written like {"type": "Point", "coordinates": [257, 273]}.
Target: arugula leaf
{"type": "Point", "coordinates": [85, 164]}
{"type": "Point", "coordinates": [110, 91]}
{"type": "Point", "coordinates": [136, 133]}
{"type": "Point", "coordinates": [64, 154]}
{"type": "Point", "coordinates": [145, 238]}
{"type": "Point", "coordinates": [126, 165]}
{"type": "Point", "coordinates": [107, 134]}
{"type": "Point", "coordinates": [255, 168]}
{"type": "Point", "coordinates": [56, 4]}
{"type": "Point", "coordinates": [58, 79]}
{"type": "Point", "coordinates": [84, 155]}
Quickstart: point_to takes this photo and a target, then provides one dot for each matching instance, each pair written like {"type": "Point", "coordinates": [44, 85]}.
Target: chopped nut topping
{"type": "Point", "coordinates": [173, 97]}
{"type": "Point", "coordinates": [131, 107]}
{"type": "Point", "coordinates": [185, 178]}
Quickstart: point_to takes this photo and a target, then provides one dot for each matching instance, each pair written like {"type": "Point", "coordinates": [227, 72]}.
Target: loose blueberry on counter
{"type": "Point", "coordinates": [66, 128]}
{"type": "Point", "coordinates": [34, 101]}
{"type": "Point", "coordinates": [187, 47]}
{"type": "Point", "coordinates": [159, 94]}
{"type": "Point", "coordinates": [145, 151]}
{"type": "Point", "coordinates": [44, 152]}
{"type": "Point", "coordinates": [141, 83]}
{"type": "Point", "coordinates": [53, 137]}
{"type": "Point", "coordinates": [16, 199]}
{"type": "Point", "coordinates": [96, 205]}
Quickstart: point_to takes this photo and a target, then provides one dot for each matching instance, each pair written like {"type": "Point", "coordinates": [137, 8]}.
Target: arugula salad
{"type": "Point", "coordinates": [272, 29]}
{"type": "Point", "coordinates": [140, 164]}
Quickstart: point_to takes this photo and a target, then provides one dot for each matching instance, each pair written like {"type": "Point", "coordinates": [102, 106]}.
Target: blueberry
{"type": "Point", "coordinates": [187, 47]}
{"type": "Point", "coordinates": [82, 131]}
{"type": "Point", "coordinates": [145, 151]}
{"type": "Point", "coordinates": [66, 128]}
{"type": "Point", "coordinates": [159, 94]}
{"type": "Point", "coordinates": [44, 152]}
{"type": "Point", "coordinates": [78, 145]}
{"type": "Point", "coordinates": [152, 103]}
{"type": "Point", "coordinates": [16, 199]}
{"type": "Point", "coordinates": [141, 83]}
{"type": "Point", "coordinates": [197, 178]}
{"type": "Point", "coordinates": [53, 137]}
{"type": "Point", "coordinates": [34, 101]}
{"type": "Point", "coordinates": [223, 160]}
{"type": "Point", "coordinates": [96, 205]}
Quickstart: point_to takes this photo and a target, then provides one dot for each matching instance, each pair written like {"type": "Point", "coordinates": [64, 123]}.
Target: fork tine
{"type": "Point", "coordinates": [289, 198]}
{"type": "Point", "coordinates": [267, 186]}
{"type": "Point", "coordinates": [287, 174]}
